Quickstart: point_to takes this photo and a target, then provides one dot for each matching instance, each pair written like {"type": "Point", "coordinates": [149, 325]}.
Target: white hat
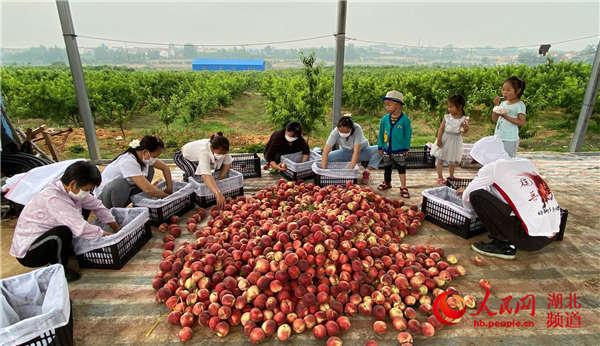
{"type": "Point", "coordinates": [488, 150]}
{"type": "Point", "coordinates": [394, 95]}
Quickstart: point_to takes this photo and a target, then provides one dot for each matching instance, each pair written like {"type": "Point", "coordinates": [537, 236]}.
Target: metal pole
{"type": "Point", "coordinates": [339, 61]}
{"type": "Point", "coordinates": [589, 99]}
{"type": "Point", "coordinates": [66, 22]}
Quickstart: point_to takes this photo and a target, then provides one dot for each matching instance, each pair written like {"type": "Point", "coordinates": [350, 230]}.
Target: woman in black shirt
{"type": "Point", "coordinates": [283, 142]}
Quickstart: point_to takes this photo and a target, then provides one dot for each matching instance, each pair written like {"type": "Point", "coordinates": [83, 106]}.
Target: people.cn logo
{"type": "Point", "coordinates": [448, 309]}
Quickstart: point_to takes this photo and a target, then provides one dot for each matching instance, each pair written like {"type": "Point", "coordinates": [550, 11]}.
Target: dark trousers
{"type": "Point", "coordinates": [390, 162]}
{"type": "Point", "coordinates": [495, 216]}
{"type": "Point", "coordinates": [54, 246]}
{"type": "Point", "coordinates": [117, 194]}
{"type": "Point", "coordinates": [188, 167]}
{"type": "Point", "coordinates": [276, 158]}
{"type": "Point", "coordinates": [387, 172]}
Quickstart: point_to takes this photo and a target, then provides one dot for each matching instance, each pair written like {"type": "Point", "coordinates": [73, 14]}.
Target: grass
{"type": "Point", "coordinates": [247, 125]}
{"type": "Point", "coordinates": [554, 131]}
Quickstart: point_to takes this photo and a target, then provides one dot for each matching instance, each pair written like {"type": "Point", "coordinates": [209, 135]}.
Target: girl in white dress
{"type": "Point", "coordinates": [449, 137]}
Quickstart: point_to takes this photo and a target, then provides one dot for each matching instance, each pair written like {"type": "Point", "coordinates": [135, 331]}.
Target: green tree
{"type": "Point", "coordinates": [302, 98]}
{"type": "Point", "coordinates": [315, 99]}
{"type": "Point", "coordinates": [115, 113]}
{"type": "Point", "coordinates": [169, 114]}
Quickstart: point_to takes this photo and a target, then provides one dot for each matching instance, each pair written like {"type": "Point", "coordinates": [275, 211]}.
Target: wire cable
{"type": "Point", "coordinates": [473, 48]}
{"type": "Point", "coordinates": [108, 39]}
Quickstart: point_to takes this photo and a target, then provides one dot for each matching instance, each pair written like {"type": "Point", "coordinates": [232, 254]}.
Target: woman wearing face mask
{"type": "Point", "coordinates": [53, 217]}
{"type": "Point", "coordinates": [353, 146]}
{"type": "Point", "coordinates": [204, 156]}
{"type": "Point", "coordinates": [286, 141]}
{"type": "Point", "coordinates": [132, 172]}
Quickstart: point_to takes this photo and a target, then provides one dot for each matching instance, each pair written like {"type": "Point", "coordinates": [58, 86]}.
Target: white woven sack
{"type": "Point", "coordinates": [292, 161]}
{"type": "Point", "coordinates": [33, 303]}
{"type": "Point", "coordinates": [336, 170]}
{"type": "Point", "coordinates": [22, 187]}
{"type": "Point", "coordinates": [448, 197]}
{"type": "Point", "coordinates": [130, 219]}
{"type": "Point", "coordinates": [234, 180]}
{"type": "Point", "coordinates": [180, 190]}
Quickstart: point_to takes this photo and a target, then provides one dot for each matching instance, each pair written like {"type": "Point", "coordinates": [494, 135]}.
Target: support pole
{"type": "Point", "coordinates": [587, 108]}
{"type": "Point", "coordinates": [339, 61]}
{"type": "Point", "coordinates": [66, 22]}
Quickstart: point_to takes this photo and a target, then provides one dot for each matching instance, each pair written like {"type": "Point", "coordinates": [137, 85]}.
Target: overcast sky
{"type": "Point", "coordinates": [462, 24]}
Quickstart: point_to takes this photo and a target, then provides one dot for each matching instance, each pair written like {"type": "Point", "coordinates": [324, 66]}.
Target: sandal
{"type": "Point", "coordinates": [404, 192]}
{"type": "Point", "coordinates": [441, 181]}
{"type": "Point", "coordinates": [384, 186]}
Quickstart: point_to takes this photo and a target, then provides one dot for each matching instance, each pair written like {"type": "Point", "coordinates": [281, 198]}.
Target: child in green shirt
{"type": "Point", "coordinates": [394, 140]}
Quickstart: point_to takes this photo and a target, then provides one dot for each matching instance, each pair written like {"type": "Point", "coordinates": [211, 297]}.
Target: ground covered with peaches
{"type": "Point", "coordinates": [298, 258]}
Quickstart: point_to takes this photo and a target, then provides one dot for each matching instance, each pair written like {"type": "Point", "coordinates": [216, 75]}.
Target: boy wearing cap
{"type": "Point", "coordinates": [394, 141]}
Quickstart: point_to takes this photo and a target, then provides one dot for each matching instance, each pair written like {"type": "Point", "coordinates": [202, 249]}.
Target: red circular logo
{"type": "Point", "coordinates": [444, 312]}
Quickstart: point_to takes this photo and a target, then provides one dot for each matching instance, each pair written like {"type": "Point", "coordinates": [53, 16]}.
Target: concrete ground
{"type": "Point", "coordinates": [117, 307]}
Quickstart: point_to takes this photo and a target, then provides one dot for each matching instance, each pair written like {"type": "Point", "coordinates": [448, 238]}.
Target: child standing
{"type": "Point", "coordinates": [449, 137]}
{"type": "Point", "coordinates": [394, 140]}
{"type": "Point", "coordinates": [510, 114]}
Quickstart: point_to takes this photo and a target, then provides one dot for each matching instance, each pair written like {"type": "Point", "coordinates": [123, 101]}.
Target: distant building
{"type": "Point", "coordinates": [228, 65]}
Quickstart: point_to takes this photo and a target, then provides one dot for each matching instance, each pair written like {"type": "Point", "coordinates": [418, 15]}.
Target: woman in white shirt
{"type": "Point", "coordinates": [512, 201]}
{"type": "Point", "coordinates": [132, 172]}
{"type": "Point", "coordinates": [353, 146]}
{"type": "Point", "coordinates": [202, 157]}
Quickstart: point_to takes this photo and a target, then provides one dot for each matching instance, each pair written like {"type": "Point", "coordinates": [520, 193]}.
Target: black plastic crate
{"type": "Point", "coordinates": [295, 176]}
{"type": "Point", "coordinates": [117, 255]}
{"type": "Point", "coordinates": [207, 201]}
{"type": "Point", "coordinates": [296, 169]}
{"type": "Point", "coordinates": [62, 336]}
{"type": "Point", "coordinates": [176, 207]}
{"type": "Point", "coordinates": [323, 180]}
{"type": "Point", "coordinates": [247, 164]}
{"type": "Point", "coordinates": [451, 220]}
{"type": "Point", "coordinates": [465, 228]}
{"type": "Point", "coordinates": [420, 158]}
{"type": "Point", "coordinates": [457, 183]}
{"type": "Point", "coordinates": [416, 157]}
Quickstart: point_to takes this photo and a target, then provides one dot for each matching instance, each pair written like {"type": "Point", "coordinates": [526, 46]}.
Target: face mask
{"type": "Point", "coordinates": [149, 161]}
{"type": "Point", "coordinates": [218, 156]}
{"type": "Point", "coordinates": [345, 135]}
{"type": "Point", "coordinates": [80, 195]}
{"type": "Point", "coordinates": [290, 139]}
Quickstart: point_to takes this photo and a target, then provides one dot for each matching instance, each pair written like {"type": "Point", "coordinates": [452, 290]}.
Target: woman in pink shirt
{"type": "Point", "coordinates": [49, 222]}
